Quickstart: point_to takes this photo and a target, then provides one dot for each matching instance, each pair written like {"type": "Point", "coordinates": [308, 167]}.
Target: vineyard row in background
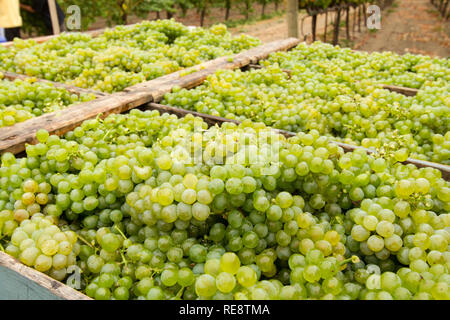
{"type": "Point", "coordinates": [129, 11]}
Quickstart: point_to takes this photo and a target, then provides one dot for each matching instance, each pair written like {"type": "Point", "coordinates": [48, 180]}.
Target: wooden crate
{"type": "Point", "coordinates": [19, 282]}
{"type": "Point", "coordinates": [72, 89]}
{"type": "Point", "coordinates": [14, 138]}
{"type": "Point", "coordinates": [42, 39]}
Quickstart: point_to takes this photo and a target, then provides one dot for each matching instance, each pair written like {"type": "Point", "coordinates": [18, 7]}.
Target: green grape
{"type": "Point", "coordinates": [225, 282]}
{"type": "Point", "coordinates": [229, 262]}
{"type": "Point", "coordinates": [205, 285]}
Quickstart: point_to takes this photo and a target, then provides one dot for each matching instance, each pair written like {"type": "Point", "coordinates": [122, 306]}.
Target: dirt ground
{"type": "Point", "coordinates": [414, 26]}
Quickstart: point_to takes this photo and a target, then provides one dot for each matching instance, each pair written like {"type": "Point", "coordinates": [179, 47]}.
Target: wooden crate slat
{"type": "Point", "coordinates": [93, 33]}
{"type": "Point", "coordinates": [410, 92]}
{"type": "Point", "coordinates": [20, 282]}
{"type": "Point", "coordinates": [193, 76]}
{"type": "Point", "coordinates": [72, 89]}
{"type": "Point", "coordinates": [212, 120]}
{"type": "Point", "coordinates": [14, 138]}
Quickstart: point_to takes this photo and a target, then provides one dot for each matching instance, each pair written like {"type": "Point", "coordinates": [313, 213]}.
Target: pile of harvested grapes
{"type": "Point", "coordinates": [21, 100]}
{"type": "Point", "coordinates": [150, 206]}
{"type": "Point", "coordinates": [338, 92]}
{"type": "Point", "coordinates": [123, 56]}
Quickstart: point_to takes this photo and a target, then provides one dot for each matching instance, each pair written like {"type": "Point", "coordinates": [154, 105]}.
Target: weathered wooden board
{"type": "Point", "coordinates": [403, 90]}
{"type": "Point", "coordinates": [42, 39]}
{"type": "Point", "coordinates": [213, 120]}
{"type": "Point", "coordinates": [194, 76]}
{"type": "Point", "coordinates": [72, 89]}
{"type": "Point", "coordinates": [14, 138]}
{"type": "Point", "coordinates": [19, 282]}
{"type": "Point", "coordinates": [209, 119]}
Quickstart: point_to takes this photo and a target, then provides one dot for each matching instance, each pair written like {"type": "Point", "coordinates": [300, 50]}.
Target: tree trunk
{"type": "Point", "coordinates": [292, 18]}
{"type": "Point", "coordinates": [263, 9]}
{"type": "Point", "coordinates": [276, 5]}
{"type": "Point", "coordinates": [123, 13]}
{"type": "Point", "coordinates": [347, 22]}
{"type": "Point", "coordinates": [336, 27]}
{"type": "Point", "coordinates": [169, 14]}
{"type": "Point", "coordinates": [247, 9]}
{"type": "Point", "coordinates": [354, 20]}
{"type": "Point", "coordinates": [444, 10]}
{"type": "Point", "coordinates": [184, 10]}
{"type": "Point", "coordinates": [313, 27]}
{"type": "Point", "coordinates": [158, 16]}
{"type": "Point", "coordinates": [202, 16]}
{"type": "Point", "coordinates": [326, 26]}
{"type": "Point", "coordinates": [227, 9]}
{"type": "Point", "coordinates": [359, 18]}
{"type": "Point", "coordinates": [364, 14]}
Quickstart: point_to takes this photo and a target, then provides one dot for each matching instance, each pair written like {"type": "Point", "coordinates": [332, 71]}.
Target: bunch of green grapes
{"type": "Point", "coordinates": [390, 231]}
{"type": "Point", "coordinates": [246, 242]}
{"type": "Point", "coordinates": [159, 207]}
{"type": "Point", "coordinates": [39, 243]}
{"type": "Point", "coordinates": [21, 100]}
{"type": "Point", "coordinates": [332, 98]}
{"type": "Point", "coordinates": [123, 56]}
{"type": "Point", "coordinates": [408, 70]}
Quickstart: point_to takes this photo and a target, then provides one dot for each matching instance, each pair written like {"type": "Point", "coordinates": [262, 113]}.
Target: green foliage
{"type": "Point", "coordinates": [119, 11]}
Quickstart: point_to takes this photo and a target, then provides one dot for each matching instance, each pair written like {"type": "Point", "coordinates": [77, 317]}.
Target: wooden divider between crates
{"type": "Point", "coordinates": [72, 89]}
{"type": "Point", "coordinates": [42, 39]}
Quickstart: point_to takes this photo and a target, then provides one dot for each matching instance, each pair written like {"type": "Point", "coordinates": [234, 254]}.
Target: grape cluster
{"type": "Point", "coordinates": [21, 100]}
{"type": "Point", "coordinates": [158, 207]}
{"type": "Point", "coordinates": [39, 243]}
{"type": "Point", "coordinates": [408, 70]}
{"type": "Point", "coordinates": [338, 93]}
{"type": "Point", "coordinates": [123, 56]}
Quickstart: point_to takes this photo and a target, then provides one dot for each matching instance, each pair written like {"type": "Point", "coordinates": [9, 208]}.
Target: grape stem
{"type": "Point", "coordinates": [86, 242]}
{"type": "Point", "coordinates": [121, 233]}
{"type": "Point", "coordinates": [106, 134]}
{"type": "Point", "coordinates": [124, 261]}
{"type": "Point", "coordinates": [353, 259]}
{"type": "Point", "coordinates": [155, 271]}
{"type": "Point", "coordinates": [179, 294]}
